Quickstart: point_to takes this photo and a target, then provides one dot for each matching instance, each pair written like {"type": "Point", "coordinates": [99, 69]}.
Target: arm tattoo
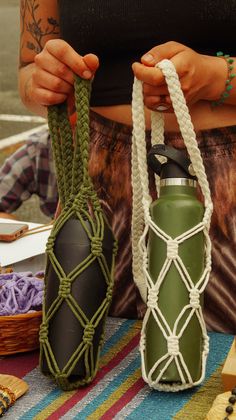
{"type": "Point", "coordinates": [36, 27]}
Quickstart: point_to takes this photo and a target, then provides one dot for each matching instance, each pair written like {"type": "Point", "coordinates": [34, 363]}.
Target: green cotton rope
{"type": "Point", "coordinates": [77, 197]}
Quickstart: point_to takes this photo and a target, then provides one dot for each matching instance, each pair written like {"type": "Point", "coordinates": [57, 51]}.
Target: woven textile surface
{"type": "Point", "coordinates": [118, 391]}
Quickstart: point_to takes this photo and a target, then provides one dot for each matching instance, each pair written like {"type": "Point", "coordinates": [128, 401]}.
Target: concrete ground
{"type": "Point", "coordinates": [10, 103]}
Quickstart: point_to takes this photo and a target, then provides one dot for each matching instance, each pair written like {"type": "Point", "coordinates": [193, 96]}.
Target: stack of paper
{"type": "Point", "coordinates": [26, 253]}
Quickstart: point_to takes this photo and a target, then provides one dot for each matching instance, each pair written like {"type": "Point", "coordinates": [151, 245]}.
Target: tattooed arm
{"type": "Point", "coordinates": [47, 63]}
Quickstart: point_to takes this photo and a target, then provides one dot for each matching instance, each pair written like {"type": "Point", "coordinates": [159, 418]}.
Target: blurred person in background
{"type": "Point", "coordinates": [29, 171]}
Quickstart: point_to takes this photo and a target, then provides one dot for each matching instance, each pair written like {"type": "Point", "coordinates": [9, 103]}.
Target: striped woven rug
{"type": "Point", "coordinates": [118, 390]}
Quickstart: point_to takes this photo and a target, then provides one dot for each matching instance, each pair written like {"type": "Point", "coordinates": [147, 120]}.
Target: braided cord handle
{"type": "Point", "coordinates": [71, 150]}
{"type": "Point", "coordinates": [62, 147]}
{"type": "Point", "coordinates": [186, 128]}
{"type": "Point", "coordinates": [140, 180]}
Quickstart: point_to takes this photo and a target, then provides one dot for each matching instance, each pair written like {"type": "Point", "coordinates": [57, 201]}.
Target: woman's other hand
{"type": "Point", "coordinates": [53, 72]}
{"type": "Point", "coordinates": [202, 77]}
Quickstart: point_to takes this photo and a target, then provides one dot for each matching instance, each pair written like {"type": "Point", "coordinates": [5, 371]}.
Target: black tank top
{"type": "Point", "coordinates": [121, 31]}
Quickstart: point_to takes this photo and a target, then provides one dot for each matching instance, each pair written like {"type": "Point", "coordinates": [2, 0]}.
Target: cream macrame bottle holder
{"type": "Point", "coordinates": [142, 223]}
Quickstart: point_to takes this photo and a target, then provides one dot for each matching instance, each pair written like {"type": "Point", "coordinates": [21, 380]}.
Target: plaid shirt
{"type": "Point", "coordinates": [30, 170]}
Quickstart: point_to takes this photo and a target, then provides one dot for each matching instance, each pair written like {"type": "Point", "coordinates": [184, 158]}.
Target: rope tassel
{"type": "Point", "coordinates": [173, 351]}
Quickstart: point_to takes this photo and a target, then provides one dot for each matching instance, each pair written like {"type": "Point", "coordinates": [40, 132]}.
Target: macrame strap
{"type": "Point", "coordinates": [78, 201]}
{"type": "Point", "coordinates": [142, 223]}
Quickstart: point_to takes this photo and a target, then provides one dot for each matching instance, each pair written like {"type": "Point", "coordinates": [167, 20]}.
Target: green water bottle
{"type": "Point", "coordinates": [175, 211]}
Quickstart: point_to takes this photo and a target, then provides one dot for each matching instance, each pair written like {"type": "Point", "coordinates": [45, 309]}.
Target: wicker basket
{"type": "Point", "coordinates": [19, 333]}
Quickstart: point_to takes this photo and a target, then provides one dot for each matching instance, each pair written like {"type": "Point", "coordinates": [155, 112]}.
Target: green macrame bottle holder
{"type": "Point", "coordinates": [80, 208]}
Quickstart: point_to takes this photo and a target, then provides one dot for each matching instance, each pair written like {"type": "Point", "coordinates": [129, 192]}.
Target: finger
{"type": "Point", "coordinates": [152, 102]}
{"type": "Point", "coordinates": [67, 55]}
{"type": "Point", "coordinates": [53, 66]}
{"type": "Point", "coordinates": [156, 103]}
{"type": "Point", "coordinates": [92, 61]}
{"type": "Point", "coordinates": [46, 97]}
{"type": "Point", "coordinates": [150, 90]}
{"type": "Point", "coordinates": [49, 81]}
{"type": "Point", "coordinates": [149, 75]}
{"type": "Point", "coordinates": [162, 51]}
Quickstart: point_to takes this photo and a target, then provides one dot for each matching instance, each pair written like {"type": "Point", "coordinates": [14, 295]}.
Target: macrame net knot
{"type": "Point", "coordinates": [206, 344]}
{"type": "Point", "coordinates": [109, 293]}
{"type": "Point", "coordinates": [88, 334]}
{"type": "Point", "coordinates": [96, 205]}
{"type": "Point", "coordinates": [65, 287]}
{"type": "Point", "coordinates": [142, 343]}
{"type": "Point", "coordinates": [50, 244]}
{"type": "Point", "coordinates": [96, 246]}
{"type": "Point", "coordinates": [115, 247]}
{"type": "Point", "coordinates": [61, 379]}
{"type": "Point", "coordinates": [152, 298]}
{"type": "Point", "coordinates": [172, 249]}
{"type": "Point", "coordinates": [173, 345]}
{"type": "Point", "coordinates": [194, 296]}
{"type": "Point", "coordinates": [43, 333]}
{"type": "Point", "coordinates": [102, 337]}
{"type": "Point", "coordinates": [60, 376]}
{"type": "Point", "coordinates": [78, 203]}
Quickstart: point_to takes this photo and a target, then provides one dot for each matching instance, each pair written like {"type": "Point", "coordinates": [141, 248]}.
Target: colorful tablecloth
{"type": "Point", "coordinates": [118, 391]}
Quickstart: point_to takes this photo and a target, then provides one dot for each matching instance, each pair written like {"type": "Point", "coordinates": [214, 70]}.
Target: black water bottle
{"type": "Point", "coordinates": [88, 289]}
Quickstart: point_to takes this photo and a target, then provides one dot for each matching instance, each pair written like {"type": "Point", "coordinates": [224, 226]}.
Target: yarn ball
{"type": "Point", "coordinates": [20, 293]}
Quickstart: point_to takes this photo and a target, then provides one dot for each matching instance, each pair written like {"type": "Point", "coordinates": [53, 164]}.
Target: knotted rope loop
{"type": "Point", "coordinates": [152, 298]}
{"type": "Point", "coordinates": [115, 247]}
{"type": "Point", "coordinates": [50, 243]}
{"type": "Point", "coordinates": [78, 202]}
{"type": "Point", "coordinates": [96, 246]}
{"type": "Point", "coordinates": [142, 343]}
{"type": "Point", "coordinates": [109, 293]}
{"type": "Point", "coordinates": [172, 249]}
{"type": "Point", "coordinates": [173, 345]}
{"type": "Point", "coordinates": [206, 345]}
{"type": "Point", "coordinates": [62, 380]}
{"type": "Point", "coordinates": [60, 376]}
{"type": "Point", "coordinates": [43, 333]}
{"type": "Point", "coordinates": [88, 334]}
{"type": "Point", "coordinates": [65, 287]}
{"type": "Point", "coordinates": [194, 296]}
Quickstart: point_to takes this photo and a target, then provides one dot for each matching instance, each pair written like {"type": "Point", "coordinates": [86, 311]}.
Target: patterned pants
{"type": "Point", "coordinates": [110, 168]}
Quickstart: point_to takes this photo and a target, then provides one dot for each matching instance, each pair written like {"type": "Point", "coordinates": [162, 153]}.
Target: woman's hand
{"type": "Point", "coordinates": [202, 77]}
{"type": "Point", "coordinates": [53, 71]}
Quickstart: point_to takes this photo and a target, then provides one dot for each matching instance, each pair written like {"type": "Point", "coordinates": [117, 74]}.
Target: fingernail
{"type": "Point", "coordinates": [87, 74]}
{"type": "Point", "coordinates": [148, 57]}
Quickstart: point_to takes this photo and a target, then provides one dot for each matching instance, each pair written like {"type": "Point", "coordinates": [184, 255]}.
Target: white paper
{"type": "Point", "coordinates": [25, 247]}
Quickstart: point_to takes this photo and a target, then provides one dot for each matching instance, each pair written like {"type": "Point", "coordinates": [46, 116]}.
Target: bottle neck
{"type": "Point", "coordinates": [175, 186]}
{"type": "Point", "coordinates": [187, 182]}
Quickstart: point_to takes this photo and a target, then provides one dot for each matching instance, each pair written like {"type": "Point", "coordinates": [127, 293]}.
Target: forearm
{"type": "Point", "coordinates": [25, 90]}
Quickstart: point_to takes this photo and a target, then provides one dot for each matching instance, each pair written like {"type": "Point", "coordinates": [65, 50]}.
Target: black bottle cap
{"type": "Point", "coordinates": [178, 165]}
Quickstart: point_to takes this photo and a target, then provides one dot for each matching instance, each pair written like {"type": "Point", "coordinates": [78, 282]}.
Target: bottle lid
{"type": "Point", "coordinates": [178, 165]}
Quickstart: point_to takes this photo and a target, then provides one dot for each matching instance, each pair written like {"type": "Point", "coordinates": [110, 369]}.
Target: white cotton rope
{"type": "Point", "coordinates": [142, 223]}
